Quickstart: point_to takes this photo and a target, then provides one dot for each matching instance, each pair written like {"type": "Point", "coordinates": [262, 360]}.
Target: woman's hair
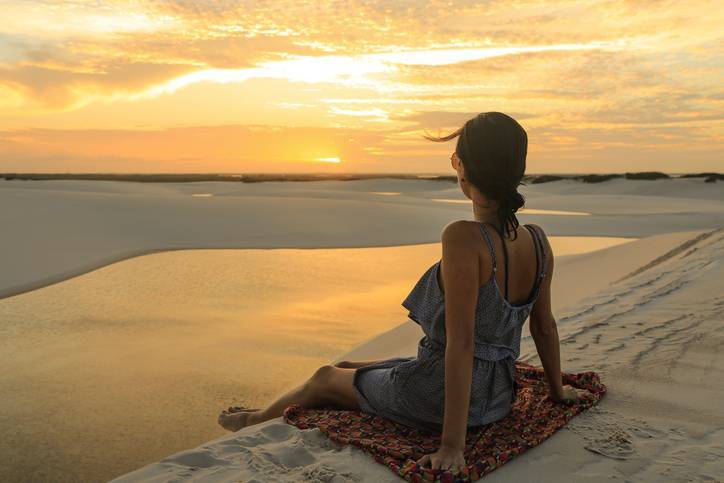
{"type": "Point", "coordinates": [492, 147]}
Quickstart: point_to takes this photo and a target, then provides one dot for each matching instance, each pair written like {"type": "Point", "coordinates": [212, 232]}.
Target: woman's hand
{"type": "Point", "coordinates": [570, 394]}
{"type": "Point", "coordinates": [445, 458]}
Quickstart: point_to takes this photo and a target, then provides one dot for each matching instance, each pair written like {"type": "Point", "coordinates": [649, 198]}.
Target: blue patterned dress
{"type": "Point", "coordinates": [411, 390]}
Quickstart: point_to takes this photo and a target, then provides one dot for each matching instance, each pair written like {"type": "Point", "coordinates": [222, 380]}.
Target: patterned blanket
{"type": "Point", "coordinates": [534, 418]}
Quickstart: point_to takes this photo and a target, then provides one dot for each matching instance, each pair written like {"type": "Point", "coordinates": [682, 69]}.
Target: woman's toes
{"type": "Point", "coordinates": [239, 409]}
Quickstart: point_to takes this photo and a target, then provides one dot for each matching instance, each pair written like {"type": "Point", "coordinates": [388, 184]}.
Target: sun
{"type": "Point", "coordinates": [334, 159]}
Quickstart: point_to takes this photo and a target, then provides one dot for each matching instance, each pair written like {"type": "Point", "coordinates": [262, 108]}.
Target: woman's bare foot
{"type": "Point", "coordinates": [234, 421]}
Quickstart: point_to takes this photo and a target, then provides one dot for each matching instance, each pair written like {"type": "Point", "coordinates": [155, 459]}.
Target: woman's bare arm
{"type": "Point", "coordinates": [461, 280]}
{"type": "Point", "coordinates": [543, 327]}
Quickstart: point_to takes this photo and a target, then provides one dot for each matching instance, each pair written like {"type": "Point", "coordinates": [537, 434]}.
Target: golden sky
{"type": "Point", "coordinates": [291, 86]}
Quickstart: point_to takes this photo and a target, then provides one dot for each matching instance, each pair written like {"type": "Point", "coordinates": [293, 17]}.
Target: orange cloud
{"type": "Point", "coordinates": [62, 89]}
{"type": "Point", "coordinates": [586, 78]}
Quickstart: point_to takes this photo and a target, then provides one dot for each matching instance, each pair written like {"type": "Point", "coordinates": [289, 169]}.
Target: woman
{"type": "Point", "coordinates": [464, 374]}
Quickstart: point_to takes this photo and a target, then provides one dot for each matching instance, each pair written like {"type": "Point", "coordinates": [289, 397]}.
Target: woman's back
{"type": "Point", "coordinates": [519, 268]}
{"type": "Point", "coordinates": [498, 321]}
{"type": "Point", "coordinates": [411, 389]}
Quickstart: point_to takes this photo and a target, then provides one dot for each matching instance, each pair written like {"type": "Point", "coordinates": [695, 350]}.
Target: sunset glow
{"type": "Point", "coordinates": [131, 86]}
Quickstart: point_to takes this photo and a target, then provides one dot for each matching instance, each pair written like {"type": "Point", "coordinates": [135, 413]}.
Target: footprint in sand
{"type": "Point", "coordinates": [613, 435]}
{"type": "Point", "coordinates": [616, 447]}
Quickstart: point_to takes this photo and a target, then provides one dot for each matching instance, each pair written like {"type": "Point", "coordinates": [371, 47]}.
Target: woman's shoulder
{"type": "Point", "coordinates": [461, 241]}
{"type": "Point", "coordinates": [459, 229]}
{"type": "Point", "coordinates": [464, 235]}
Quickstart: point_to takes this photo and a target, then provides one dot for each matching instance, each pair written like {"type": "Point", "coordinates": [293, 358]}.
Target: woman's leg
{"type": "Point", "coordinates": [356, 364]}
{"type": "Point", "coordinates": [328, 386]}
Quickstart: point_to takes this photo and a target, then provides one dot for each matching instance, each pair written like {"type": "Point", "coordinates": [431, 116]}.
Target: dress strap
{"type": "Point", "coordinates": [505, 259]}
{"type": "Point", "coordinates": [491, 246]}
{"type": "Point", "coordinates": [540, 260]}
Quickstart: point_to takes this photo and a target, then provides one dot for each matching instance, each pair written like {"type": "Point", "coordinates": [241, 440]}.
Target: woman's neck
{"type": "Point", "coordinates": [485, 215]}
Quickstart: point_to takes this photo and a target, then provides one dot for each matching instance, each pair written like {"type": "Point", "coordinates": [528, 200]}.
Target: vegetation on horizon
{"type": "Point", "coordinates": [262, 177]}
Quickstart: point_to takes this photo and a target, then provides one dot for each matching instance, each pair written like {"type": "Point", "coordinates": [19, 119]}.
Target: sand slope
{"type": "Point", "coordinates": [656, 337]}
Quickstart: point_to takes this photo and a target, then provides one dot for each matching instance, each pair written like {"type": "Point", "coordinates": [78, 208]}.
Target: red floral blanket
{"type": "Point", "coordinates": [534, 418]}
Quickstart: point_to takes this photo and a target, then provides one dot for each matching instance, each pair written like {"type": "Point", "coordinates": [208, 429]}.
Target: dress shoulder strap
{"type": "Point", "coordinates": [491, 246]}
{"type": "Point", "coordinates": [539, 249]}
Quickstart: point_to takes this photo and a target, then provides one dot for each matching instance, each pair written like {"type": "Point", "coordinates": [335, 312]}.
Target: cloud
{"type": "Point", "coordinates": [62, 89]}
{"type": "Point", "coordinates": [580, 75]}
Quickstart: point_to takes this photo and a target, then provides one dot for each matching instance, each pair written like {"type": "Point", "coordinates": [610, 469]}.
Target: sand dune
{"type": "Point", "coordinates": [646, 314]}
{"type": "Point", "coordinates": [656, 339]}
{"type": "Point", "coordinates": [54, 230]}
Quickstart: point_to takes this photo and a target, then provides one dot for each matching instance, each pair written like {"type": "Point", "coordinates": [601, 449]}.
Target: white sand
{"type": "Point", "coordinates": [53, 230]}
{"type": "Point", "coordinates": [655, 336]}
{"type": "Point", "coordinates": [656, 339]}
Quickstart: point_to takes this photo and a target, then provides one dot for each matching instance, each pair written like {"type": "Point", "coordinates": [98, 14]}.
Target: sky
{"type": "Point", "coordinates": [179, 86]}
